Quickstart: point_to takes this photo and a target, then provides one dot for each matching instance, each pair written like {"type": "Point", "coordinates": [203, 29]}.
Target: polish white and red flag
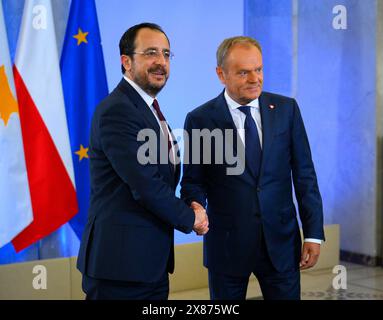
{"type": "Point", "coordinates": [44, 126]}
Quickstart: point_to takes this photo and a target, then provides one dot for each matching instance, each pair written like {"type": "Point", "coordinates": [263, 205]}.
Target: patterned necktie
{"type": "Point", "coordinates": [253, 149]}
{"type": "Point", "coordinates": [165, 128]}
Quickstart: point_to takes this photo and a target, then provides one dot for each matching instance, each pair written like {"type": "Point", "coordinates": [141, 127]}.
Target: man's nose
{"type": "Point", "coordinates": [253, 77]}
{"type": "Point", "coordinates": [160, 59]}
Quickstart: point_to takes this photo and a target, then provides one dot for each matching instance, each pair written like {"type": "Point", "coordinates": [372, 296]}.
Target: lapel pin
{"type": "Point", "coordinates": [271, 106]}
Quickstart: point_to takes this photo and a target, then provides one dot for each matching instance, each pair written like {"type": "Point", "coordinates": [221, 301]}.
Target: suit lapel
{"type": "Point", "coordinates": [134, 96]}
{"type": "Point", "coordinates": [268, 116]}
{"type": "Point", "coordinates": [222, 114]}
{"type": "Point", "coordinates": [223, 119]}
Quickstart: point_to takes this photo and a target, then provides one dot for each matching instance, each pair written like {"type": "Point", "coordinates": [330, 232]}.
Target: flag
{"type": "Point", "coordinates": [84, 85]}
{"type": "Point", "coordinates": [43, 123]}
{"type": "Point", "coordinates": [15, 201]}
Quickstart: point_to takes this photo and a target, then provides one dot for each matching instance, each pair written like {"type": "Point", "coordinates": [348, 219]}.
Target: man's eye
{"type": "Point", "coordinates": [167, 54]}
{"type": "Point", "coordinates": [242, 73]}
{"type": "Point", "coordinates": [151, 53]}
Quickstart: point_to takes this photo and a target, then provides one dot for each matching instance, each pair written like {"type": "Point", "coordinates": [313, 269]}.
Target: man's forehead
{"type": "Point", "coordinates": [245, 48]}
{"type": "Point", "coordinates": [249, 62]}
{"type": "Point", "coordinates": [151, 37]}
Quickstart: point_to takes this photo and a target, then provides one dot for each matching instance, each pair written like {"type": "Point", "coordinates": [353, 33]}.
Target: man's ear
{"type": "Point", "coordinates": [221, 74]}
{"type": "Point", "coordinates": [126, 62]}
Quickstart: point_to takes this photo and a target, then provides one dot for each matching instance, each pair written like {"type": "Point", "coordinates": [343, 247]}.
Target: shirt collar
{"type": "Point", "coordinates": [147, 98]}
{"type": "Point", "coordinates": [235, 105]}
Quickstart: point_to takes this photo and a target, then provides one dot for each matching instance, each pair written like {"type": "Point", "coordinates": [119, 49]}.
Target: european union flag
{"type": "Point", "coordinates": [84, 84]}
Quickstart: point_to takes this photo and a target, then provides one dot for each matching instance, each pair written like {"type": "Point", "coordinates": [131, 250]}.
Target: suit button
{"type": "Point", "coordinates": [258, 189]}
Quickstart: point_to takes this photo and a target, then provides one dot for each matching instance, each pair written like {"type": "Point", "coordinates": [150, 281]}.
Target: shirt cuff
{"type": "Point", "coordinates": [313, 240]}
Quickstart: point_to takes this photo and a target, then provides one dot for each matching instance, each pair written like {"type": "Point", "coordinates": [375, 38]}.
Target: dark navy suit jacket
{"type": "Point", "coordinates": [235, 202]}
{"type": "Point", "coordinates": [133, 210]}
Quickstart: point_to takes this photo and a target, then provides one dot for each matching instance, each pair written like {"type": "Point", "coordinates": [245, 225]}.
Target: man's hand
{"type": "Point", "coordinates": [310, 255]}
{"type": "Point", "coordinates": [201, 223]}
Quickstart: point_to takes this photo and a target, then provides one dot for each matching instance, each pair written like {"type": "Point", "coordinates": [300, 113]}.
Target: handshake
{"type": "Point", "coordinates": [201, 222]}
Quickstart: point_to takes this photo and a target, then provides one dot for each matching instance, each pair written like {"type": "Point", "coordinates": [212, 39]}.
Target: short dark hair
{"type": "Point", "coordinates": [127, 42]}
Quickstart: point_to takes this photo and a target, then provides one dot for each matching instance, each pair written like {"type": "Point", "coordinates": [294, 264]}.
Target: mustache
{"type": "Point", "coordinates": [158, 69]}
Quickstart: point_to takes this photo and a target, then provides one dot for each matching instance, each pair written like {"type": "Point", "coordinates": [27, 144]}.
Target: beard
{"type": "Point", "coordinates": [150, 87]}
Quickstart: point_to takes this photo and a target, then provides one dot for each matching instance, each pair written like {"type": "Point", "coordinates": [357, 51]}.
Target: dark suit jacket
{"type": "Point", "coordinates": [234, 202]}
{"type": "Point", "coordinates": [133, 210]}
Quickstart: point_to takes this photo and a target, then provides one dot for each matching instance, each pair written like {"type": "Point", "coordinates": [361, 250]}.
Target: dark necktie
{"type": "Point", "coordinates": [164, 127]}
{"type": "Point", "coordinates": [253, 149]}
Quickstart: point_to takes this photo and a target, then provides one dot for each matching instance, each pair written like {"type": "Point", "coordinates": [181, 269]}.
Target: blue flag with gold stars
{"type": "Point", "coordinates": [84, 85]}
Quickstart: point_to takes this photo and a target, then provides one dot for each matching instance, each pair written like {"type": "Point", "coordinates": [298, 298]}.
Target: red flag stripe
{"type": "Point", "coordinates": [53, 195]}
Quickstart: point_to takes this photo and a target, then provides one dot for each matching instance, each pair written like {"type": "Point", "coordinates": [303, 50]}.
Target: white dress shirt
{"type": "Point", "coordinates": [149, 101]}
{"type": "Point", "coordinates": [239, 121]}
{"type": "Point", "coordinates": [239, 117]}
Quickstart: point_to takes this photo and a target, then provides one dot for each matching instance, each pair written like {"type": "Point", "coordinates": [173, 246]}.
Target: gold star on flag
{"type": "Point", "coordinates": [81, 36]}
{"type": "Point", "coordinates": [82, 153]}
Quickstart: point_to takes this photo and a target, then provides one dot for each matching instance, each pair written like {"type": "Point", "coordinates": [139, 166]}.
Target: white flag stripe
{"type": "Point", "coordinates": [15, 204]}
{"type": "Point", "coordinates": [16, 210]}
{"type": "Point", "coordinates": [37, 34]}
{"type": "Point", "coordinates": [4, 52]}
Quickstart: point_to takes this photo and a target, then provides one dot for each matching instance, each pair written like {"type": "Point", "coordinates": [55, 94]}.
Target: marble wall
{"type": "Point", "coordinates": [332, 74]}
